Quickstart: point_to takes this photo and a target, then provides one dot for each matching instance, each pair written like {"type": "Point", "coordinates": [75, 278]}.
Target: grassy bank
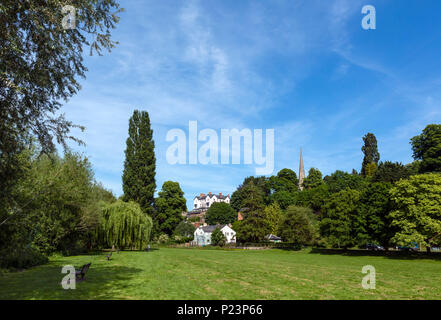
{"type": "Point", "coordinates": [168, 273]}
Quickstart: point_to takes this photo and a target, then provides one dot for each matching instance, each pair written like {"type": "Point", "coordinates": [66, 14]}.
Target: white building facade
{"type": "Point", "coordinates": [206, 200]}
{"type": "Point", "coordinates": [202, 235]}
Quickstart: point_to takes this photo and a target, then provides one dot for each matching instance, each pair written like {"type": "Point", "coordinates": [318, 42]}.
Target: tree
{"type": "Point", "coordinates": [370, 170]}
{"type": "Point", "coordinates": [40, 63]}
{"type": "Point", "coordinates": [262, 183]}
{"type": "Point", "coordinates": [298, 225]}
{"type": "Point", "coordinates": [417, 214]}
{"type": "Point", "coordinates": [374, 208]}
{"type": "Point", "coordinates": [414, 168]}
{"type": "Point", "coordinates": [283, 198]}
{"type": "Point", "coordinates": [339, 181]}
{"type": "Point", "coordinates": [286, 180]}
{"type": "Point", "coordinates": [140, 164]}
{"type": "Point", "coordinates": [57, 204]}
{"type": "Point", "coordinates": [220, 213]}
{"type": "Point", "coordinates": [124, 225]}
{"type": "Point", "coordinates": [169, 207]}
{"type": "Point", "coordinates": [218, 238]}
{"type": "Point", "coordinates": [391, 172]}
{"type": "Point", "coordinates": [340, 223]}
{"type": "Point", "coordinates": [252, 229]}
{"type": "Point", "coordinates": [185, 229]}
{"type": "Point", "coordinates": [427, 148]}
{"type": "Point", "coordinates": [273, 216]}
{"type": "Point", "coordinates": [370, 151]}
{"type": "Point", "coordinates": [252, 199]}
{"type": "Point", "coordinates": [314, 198]}
{"type": "Point", "coordinates": [314, 179]}
{"type": "Point", "coordinates": [236, 200]}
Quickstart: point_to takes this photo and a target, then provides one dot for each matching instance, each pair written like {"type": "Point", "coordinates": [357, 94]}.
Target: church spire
{"type": "Point", "coordinates": [301, 171]}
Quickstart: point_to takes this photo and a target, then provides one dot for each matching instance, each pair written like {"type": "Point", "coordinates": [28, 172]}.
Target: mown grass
{"type": "Point", "coordinates": [169, 273]}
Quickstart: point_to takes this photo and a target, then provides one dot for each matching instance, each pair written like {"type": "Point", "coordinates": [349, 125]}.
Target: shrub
{"type": "Point", "coordinates": [298, 225]}
{"type": "Point", "coordinates": [218, 238]}
{"type": "Point", "coordinates": [20, 258]}
{"type": "Point", "coordinates": [185, 229]}
{"type": "Point", "coordinates": [163, 238]}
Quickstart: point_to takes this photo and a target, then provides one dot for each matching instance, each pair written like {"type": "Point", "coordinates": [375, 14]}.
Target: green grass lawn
{"type": "Point", "coordinates": [169, 273]}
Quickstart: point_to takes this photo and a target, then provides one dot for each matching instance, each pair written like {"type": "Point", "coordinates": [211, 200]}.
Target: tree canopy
{"type": "Point", "coordinates": [298, 225]}
{"type": "Point", "coordinates": [373, 212]}
{"type": "Point", "coordinates": [417, 214]}
{"type": "Point", "coordinates": [40, 63]}
{"type": "Point", "coordinates": [169, 207]}
{"type": "Point", "coordinates": [391, 172]}
{"type": "Point", "coordinates": [314, 179]}
{"type": "Point", "coordinates": [220, 213]}
{"type": "Point", "coordinates": [370, 151]}
{"type": "Point", "coordinates": [124, 225]}
{"type": "Point", "coordinates": [427, 148]}
{"type": "Point", "coordinates": [139, 182]}
{"type": "Point", "coordinates": [185, 229]}
{"type": "Point", "coordinates": [218, 238]}
{"type": "Point", "coordinates": [340, 223]}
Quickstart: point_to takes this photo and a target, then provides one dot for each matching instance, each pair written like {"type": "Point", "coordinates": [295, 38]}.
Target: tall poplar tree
{"type": "Point", "coordinates": [140, 164]}
{"type": "Point", "coordinates": [370, 151]}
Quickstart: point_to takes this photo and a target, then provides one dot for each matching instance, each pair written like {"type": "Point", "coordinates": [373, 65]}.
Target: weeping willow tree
{"type": "Point", "coordinates": [124, 225]}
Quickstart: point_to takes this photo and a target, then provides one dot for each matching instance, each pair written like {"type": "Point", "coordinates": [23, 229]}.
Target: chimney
{"type": "Point", "coordinates": [220, 194]}
{"type": "Point", "coordinates": [209, 193]}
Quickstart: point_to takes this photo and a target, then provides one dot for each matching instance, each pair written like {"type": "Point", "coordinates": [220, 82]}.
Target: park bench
{"type": "Point", "coordinates": [80, 274]}
{"type": "Point", "coordinates": [109, 256]}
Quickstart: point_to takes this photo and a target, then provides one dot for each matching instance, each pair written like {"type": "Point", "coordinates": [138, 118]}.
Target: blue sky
{"type": "Point", "coordinates": [306, 69]}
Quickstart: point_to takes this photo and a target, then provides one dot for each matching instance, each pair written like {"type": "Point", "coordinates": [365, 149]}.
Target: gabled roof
{"type": "Point", "coordinates": [219, 196]}
{"type": "Point", "coordinates": [210, 229]}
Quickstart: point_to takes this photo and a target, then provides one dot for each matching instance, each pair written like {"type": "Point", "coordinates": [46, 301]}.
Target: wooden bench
{"type": "Point", "coordinates": [80, 274]}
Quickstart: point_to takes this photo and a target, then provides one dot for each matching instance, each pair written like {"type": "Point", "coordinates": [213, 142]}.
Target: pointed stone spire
{"type": "Point", "coordinates": [301, 171]}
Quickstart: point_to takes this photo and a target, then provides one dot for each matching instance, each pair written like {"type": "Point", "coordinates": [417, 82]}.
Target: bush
{"type": "Point", "coordinates": [218, 238]}
{"type": "Point", "coordinates": [163, 238]}
{"type": "Point", "coordinates": [21, 258]}
{"type": "Point", "coordinates": [185, 230]}
{"type": "Point", "coordinates": [180, 239]}
{"type": "Point", "coordinates": [298, 226]}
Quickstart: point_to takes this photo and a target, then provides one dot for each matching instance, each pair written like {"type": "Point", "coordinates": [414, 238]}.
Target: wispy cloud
{"type": "Point", "coordinates": [304, 68]}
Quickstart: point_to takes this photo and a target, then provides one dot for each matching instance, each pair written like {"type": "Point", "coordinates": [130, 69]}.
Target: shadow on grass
{"type": "Point", "coordinates": [391, 254]}
{"type": "Point", "coordinates": [101, 282]}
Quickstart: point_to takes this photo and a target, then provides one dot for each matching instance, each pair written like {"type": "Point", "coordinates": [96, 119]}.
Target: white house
{"type": "Point", "coordinates": [202, 235]}
{"type": "Point", "coordinates": [206, 200]}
